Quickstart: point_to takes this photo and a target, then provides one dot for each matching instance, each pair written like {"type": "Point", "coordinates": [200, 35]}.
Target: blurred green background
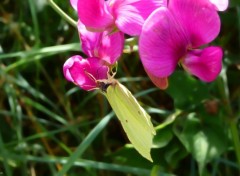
{"type": "Point", "coordinates": [49, 126]}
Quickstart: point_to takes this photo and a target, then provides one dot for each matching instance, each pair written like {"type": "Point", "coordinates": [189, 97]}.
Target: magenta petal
{"type": "Point", "coordinates": [94, 14]}
{"type": "Point", "coordinates": [130, 24]}
{"type": "Point", "coordinates": [161, 83]}
{"type": "Point", "coordinates": [111, 46]}
{"type": "Point", "coordinates": [162, 43]}
{"type": "Point", "coordinates": [74, 4]}
{"type": "Point", "coordinates": [221, 5]}
{"type": "Point", "coordinates": [107, 47]}
{"type": "Point", "coordinates": [131, 14]}
{"type": "Point", "coordinates": [68, 64]}
{"type": "Point", "coordinates": [90, 41]}
{"type": "Point", "coordinates": [74, 70]}
{"type": "Point", "coordinates": [84, 72]}
{"type": "Point", "coordinates": [97, 69]}
{"type": "Point", "coordinates": [200, 19]}
{"type": "Point", "coordinates": [205, 64]}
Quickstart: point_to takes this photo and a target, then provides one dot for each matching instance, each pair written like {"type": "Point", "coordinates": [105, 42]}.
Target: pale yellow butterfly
{"type": "Point", "coordinates": [134, 119]}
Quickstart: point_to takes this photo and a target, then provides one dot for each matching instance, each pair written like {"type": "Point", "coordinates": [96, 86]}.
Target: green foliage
{"type": "Point", "coordinates": [201, 138]}
{"type": "Point", "coordinates": [188, 91]}
{"type": "Point", "coordinates": [48, 126]}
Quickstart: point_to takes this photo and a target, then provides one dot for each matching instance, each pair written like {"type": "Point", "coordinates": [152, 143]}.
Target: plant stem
{"type": "Point", "coordinates": [235, 138]}
{"type": "Point", "coordinates": [223, 86]}
{"type": "Point", "coordinates": [62, 13]}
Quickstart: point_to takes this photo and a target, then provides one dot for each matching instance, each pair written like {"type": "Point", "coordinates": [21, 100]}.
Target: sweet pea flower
{"type": "Point", "coordinates": [102, 50]}
{"type": "Point", "coordinates": [175, 35]}
{"type": "Point", "coordinates": [126, 15]}
{"type": "Point", "coordinates": [84, 72]}
{"type": "Point", "coordinates": [105, 45]}
{"type": "Point", "coordinates": [74, 4]}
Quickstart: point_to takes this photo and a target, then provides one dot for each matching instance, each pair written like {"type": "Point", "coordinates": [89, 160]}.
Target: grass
{"type": "Point", "coordinates": [48, 126]}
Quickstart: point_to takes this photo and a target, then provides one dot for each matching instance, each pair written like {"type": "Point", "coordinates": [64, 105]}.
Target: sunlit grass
{"type": "Point", "coordinates": [49, 126]}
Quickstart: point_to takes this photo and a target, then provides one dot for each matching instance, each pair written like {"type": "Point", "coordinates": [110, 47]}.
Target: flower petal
{"type": "Point", "coordinates": [97, 68]}
{"type": "Point", "coordinates": [111, 46]}
{"type": "Point", "coordinates": [221, 5]}
{"type": "Point", "coordinates": [131, 14]}
{"type": "Point", "coordinates": [89, 40]}
{"type": "Point", "coordinates": [68, 64]}
{"type": "Point", "coordinates": [161, 83]}
{"type": "Point", "coordinates": [74, 4]}
{"type": "Point", "coordinates": [107, 47]}
{"type": "Point", "coordinates": [199, 18]}
{"type": "Point", "coordinates": [162, 43]}
{"type": "Point", "coordinates": [206, 64]}
{"type": "Point", "coordinates": [84, 72]}
{"type": "Point", "coordinates": [94, 14]}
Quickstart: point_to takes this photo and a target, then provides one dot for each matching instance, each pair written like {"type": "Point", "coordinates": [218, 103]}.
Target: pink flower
{"type": "Point", "coordinates": [220, 5]}
{"type": "Point", "coordinates": [106, 46]}
{"type": "Point", "coordinates": [84, 72]}
{"type": "Point", "coordinates": [74, 4]}
{"type": "Point", "coordinates": [102, 49]}
{"type": "Point", "coordinates": [126, 15]}
{"type": "Point", "coordinates": [171, 36]}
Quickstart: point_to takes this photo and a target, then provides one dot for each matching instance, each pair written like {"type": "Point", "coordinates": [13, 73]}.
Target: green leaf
{"type": "Point", "coordinates": [127, 155]}
{"type": "Point", "coordinates": [204, 140]}
{"type": "Point", "coordinates": [186, 90]}
{"type": "Point", "coordinates": [163, 137]}
{"type": "Point", "coordinates": [164, 131]}
{"type": "Point", "coordinates": [170, 155]}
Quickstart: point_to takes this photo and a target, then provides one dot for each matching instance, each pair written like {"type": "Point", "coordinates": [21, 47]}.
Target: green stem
{"type": "Point", "coordinates": [223, 88]}
{"type": "Point", "coordinates": [62, 13]}
{"type": "Point", "coordinates": [235, 137]}
{"type": "Point", "coordinates": [238, 14]}
{"type": "Point", "coordinates": [35, 21]}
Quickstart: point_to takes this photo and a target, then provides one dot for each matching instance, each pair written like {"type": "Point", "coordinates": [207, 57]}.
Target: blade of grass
{"type": "Point", "coordinates": [34, 20]}
{"type": "Point", "coordinates": [38, 119]}
{"type": "Point", "coordinates": [229, 163]}
{"type": "Point", "coordinates": [39, 128]}
{"type": "Point", "coordinates": [43, 109]}
{"type": "Point", "coordinates": [143, 93]}
{"type": "Point", "coordinates": [45, 50]}
{"type": "Point", "coordinates": [90, 164]}
{"type": "Point", "coordinates": [133, 79]}
{"type": "Point", "coordinates": [85, 143]}
{"type": "Point", "coordinates": [15, 108]}
{"type": "Point", "coordinates": [26, 60]}
{"type": "Point", "coordinates": [48, 133]}
{"type": "Point", "coordinates": [87, 164]}
{"type": "Point", "coordinates": [4, 154]}
{"type": "Point", "coordinates": [20, 81]}
{"type": "Point", "coordinates": [158, 111]}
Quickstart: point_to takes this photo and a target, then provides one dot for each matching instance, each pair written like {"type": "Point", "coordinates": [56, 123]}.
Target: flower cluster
{"type": "Point", "coordinates": [171, 33]}
{"type": "Point", "coordinates": [102, 50]}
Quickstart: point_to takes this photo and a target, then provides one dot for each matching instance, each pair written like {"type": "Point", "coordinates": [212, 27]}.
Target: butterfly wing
{"type": "Point", "coordinates": [134, 119]}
